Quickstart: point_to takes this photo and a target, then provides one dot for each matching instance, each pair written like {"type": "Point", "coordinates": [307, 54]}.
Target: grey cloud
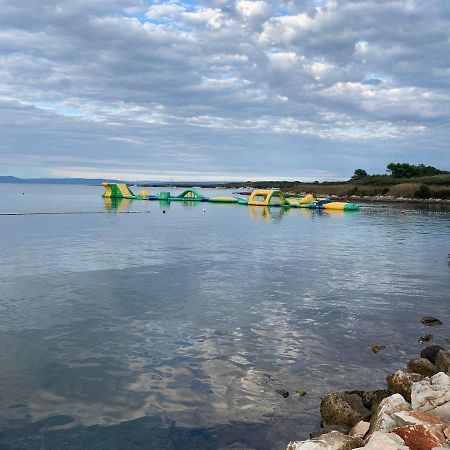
{"type": "Point", "coordinates": [225, 82]}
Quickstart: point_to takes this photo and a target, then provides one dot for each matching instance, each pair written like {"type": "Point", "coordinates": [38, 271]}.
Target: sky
{"type": "Point", "coordinates": [222, 89]}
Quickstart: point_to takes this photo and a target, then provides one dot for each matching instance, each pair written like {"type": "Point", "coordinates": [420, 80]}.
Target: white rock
{"type": "Point", "coordinates": [360, 429]}
{"type": "Point", "coordinates": [328, 441]}
{"type": "Point", "coordinates": [384, 441]}
{"type": "Point", "coordinates": [382, 420]}
{"type": "Point", "coordinates": [305, 445]}
{"type": "Point", "coordinates": [432, 395]}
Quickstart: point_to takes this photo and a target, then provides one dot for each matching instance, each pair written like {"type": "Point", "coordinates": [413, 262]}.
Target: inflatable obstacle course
{"type": "Point", "coordinates": [121, 190]}
{"type": "Point", "coordinates": [259, 197]}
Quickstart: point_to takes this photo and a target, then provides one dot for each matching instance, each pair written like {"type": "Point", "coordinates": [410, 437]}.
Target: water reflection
{"type": "Point", "coordinates": [117, 204]}
{"type": "Point", "coordinates": [266, 213]}
{"type": "Point", "coordinates": [182, 328]}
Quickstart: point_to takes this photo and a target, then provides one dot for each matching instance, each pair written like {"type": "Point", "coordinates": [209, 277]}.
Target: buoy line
{"type": "Point", "coordinates": [56, 213]}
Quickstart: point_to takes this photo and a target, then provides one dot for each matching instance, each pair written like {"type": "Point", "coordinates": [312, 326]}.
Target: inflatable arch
{"type": "Point", "coordinates": [264, 197]}
{"type": "Point", "coordinates": [191, 195]}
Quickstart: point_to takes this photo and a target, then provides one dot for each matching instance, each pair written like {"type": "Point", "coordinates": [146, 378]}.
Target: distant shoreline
{"type": "Point", "coordinates": [430, 190]}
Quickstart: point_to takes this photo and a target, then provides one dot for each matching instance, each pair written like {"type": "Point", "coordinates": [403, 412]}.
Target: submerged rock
{"type": "Point", "coordinates": [282, 392]}
{"type": "Point", "coordinates": [400, 383]}
{"type": "Point", "coordinates": [431, 352]}
{"type": "Point", "coordinates": [422, 366]}
{"type": "Point", "coordinates": [377, 348]}
{"type": "Point", "coordinates": [432, 395]}
{"type": "Point", "coordinates": [426, 338]}
{"type": "Point", "coordinates": [343, 409]}
{"type": "Point", "coordinates": [298, 394]}
{"type": "Point", "coordinates": [382, 420]}
{"type": "Point", "coordinates": [329, 441]}
{"type": "Point", "coordinates": [429, 320]}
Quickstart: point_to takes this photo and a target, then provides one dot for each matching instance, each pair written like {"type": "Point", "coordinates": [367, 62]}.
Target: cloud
{"type": "Point", "coordinates": [225, 82]}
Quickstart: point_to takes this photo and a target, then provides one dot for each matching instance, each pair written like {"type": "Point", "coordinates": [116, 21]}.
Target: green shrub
{"type": "Point", "coordinates": [423, 192]}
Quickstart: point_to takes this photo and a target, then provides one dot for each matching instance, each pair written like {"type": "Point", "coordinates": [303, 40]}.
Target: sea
{"type": "Point", "coordinates": [152, 325]}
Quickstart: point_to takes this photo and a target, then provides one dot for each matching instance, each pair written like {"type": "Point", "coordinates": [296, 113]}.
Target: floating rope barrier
{"type": "Point", "coordinates": [61, 213]}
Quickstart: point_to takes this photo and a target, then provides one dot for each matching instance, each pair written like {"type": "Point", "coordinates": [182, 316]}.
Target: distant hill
{"type": "Point", "coordinates": [97, 181]}
{"type": "Point", "coordinates": [9, 179]}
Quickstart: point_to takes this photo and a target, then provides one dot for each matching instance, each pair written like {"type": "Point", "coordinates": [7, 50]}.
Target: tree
{"type": "Point", "coordinates": [359, 174]}
{"type": "Point", "coordinates": [405, 170]}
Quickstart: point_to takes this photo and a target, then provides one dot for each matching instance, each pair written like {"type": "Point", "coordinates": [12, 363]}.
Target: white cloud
{"type": "Point", "coordinates": [253, 9]}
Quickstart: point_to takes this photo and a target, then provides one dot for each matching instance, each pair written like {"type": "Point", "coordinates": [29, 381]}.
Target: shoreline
{"type": "Point", "coordinates": [370, 199]}
{"type": "Point", "coordinates": [412, 412]}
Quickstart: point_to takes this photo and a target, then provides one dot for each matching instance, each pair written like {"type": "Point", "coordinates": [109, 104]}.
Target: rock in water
{"type": "Point", "coordinates": [282, 392]}
{"type": "Point", "coordinates": [423, 366]}
{"type": "Point", "coordinates": [400, 383]}
{"type": "Point", "coordinates": [298, 394]}
{"type": "Point", "coordinates": [377, 348]}
{"type": "Point", "coordinates": [425, 338]}
{"type": "Point", "coordinates": [431, 352]}
{"type": "Point", "coordinates": [429, 320]}
{"type": "Point", "coordinates": [443, 361]}
{"type": "Point", "coordinates": [432, 395]}
{"type": "Point", "coordinates": [343, 409]}
{"type": "Point", "coordinates": [382, 420]}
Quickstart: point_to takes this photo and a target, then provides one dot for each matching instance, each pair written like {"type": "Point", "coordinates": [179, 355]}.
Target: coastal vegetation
{"type": "Point", "coordinates": [402, 180]}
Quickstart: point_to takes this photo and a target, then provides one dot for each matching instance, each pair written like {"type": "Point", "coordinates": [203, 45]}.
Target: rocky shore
{"type": "Point", "coordinates": [411, 412]}
{"type": "Point", "coordinates": [366, 198]}
{"type": "Point", "coordinates": [389, 199]}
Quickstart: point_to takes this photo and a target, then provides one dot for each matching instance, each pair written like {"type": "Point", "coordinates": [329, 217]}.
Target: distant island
{"type": "Point", "coordinates": [402, 180]}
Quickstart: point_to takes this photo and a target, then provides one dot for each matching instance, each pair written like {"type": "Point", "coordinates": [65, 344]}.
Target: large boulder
{"type": "Point", "coordinates": [432, 395]}
{"type": "Point", "coordinates": [382, 420]}
{"type": "Point", "coordinates": [329, 441]}
{"type": "Point", "coordinates": [372, 398]}
{"type": "Point", "coordinates": [422, 366]}
{"type": "Point", "coordinates": [421, 437]}
{"type": "Point", "coordinates": [400, 383]}
{"type": "Point", "coordinates": [443, 361]}
{"type": "Point", "coordinates": [342, 408]}
{"type": "Point", "coordinates": [384, 441]}
{"type": "Point", "coordinates": [431, 352]}
{"type": "Point", "coordinates": [420, 418]}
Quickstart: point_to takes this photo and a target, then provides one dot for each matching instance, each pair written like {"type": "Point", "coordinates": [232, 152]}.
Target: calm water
{"type": "Point", "coordinates": [173, 330]}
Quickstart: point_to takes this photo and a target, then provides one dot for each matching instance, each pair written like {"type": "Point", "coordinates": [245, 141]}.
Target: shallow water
{"type": "Point", "coordinates": [173, 326]}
